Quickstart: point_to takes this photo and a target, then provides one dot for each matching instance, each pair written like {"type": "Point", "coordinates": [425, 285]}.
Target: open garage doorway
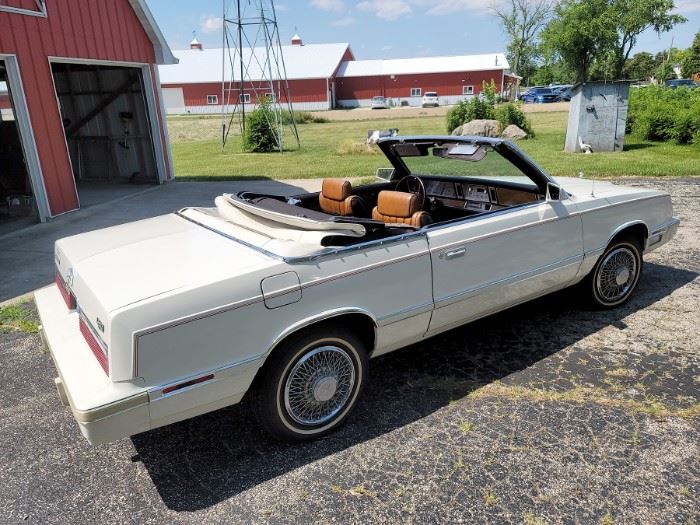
{"type": "Point", "coordinates": [107, 127]}
{"type": "Point", "coordinates": [17, 204]}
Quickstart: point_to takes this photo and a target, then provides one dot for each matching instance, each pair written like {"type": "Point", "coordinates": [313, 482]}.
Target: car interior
{"type": "Point", "coordinates": [411, 202]}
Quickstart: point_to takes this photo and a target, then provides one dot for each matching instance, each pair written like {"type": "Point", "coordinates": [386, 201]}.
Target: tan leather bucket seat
{"type": "Point", "coordinates": [336, 198]}
{"type": "Point", "coordinates": [397, 207]}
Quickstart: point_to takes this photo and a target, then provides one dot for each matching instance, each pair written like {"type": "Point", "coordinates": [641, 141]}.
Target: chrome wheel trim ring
{"type": "Point", "coordinates": [617, 275]}
{"type": "Point", "coordinates": [319, 385]}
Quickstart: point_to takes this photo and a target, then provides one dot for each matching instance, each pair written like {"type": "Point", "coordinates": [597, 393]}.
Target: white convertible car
{"type": "Point", "coordinates": [285, 299]}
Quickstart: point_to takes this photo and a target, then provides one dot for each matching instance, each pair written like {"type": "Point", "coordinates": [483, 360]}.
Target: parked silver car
{"type": "Point", "coordinates": [379, 103]}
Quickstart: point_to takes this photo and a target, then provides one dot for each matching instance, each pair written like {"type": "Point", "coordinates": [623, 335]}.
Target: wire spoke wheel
{"type": "Point", "coordinates": [319, 385]}
{"type": "Point", "coordinates": [617, 275]}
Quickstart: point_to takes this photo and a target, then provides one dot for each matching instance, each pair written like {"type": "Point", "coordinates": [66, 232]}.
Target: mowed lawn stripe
{"type": "Point", "coordinates": [327, 150]}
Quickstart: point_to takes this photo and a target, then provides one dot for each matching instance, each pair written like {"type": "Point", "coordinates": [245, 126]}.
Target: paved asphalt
{"type": "Point", "coordinates": [547, 413]}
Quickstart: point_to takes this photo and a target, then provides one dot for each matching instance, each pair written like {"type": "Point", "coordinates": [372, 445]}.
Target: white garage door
{"type": "Point", "coordinates": [174, 100]}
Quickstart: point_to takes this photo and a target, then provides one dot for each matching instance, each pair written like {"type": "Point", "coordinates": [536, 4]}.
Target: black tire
{"type": "Point", "coordinates": [273, 396]}
{"type": "Point", "coordinates": [601, 287]}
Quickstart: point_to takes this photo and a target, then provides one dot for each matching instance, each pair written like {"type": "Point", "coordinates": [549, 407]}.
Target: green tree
{"type": "Point", "coordinates": [596, 37]}
{"type": "Point", "coordinates": [603, 67]}
{"type": "Point", "coordinates": [691, 62]}
{"type": "Point", "coordinates": [664, 72]}
{"type": "Point", "coordinates": [261, 128]}
{"type": "Point", "coordinates": [632, 18]}
{"type": "Point", "coordinates": [521, 21]}
{"type": "Point", "coordinates": [580, 32]}
{"type": "Point", "coordinates": [552, 69]}
{"type": "Point", "coordinates": [640, 67]}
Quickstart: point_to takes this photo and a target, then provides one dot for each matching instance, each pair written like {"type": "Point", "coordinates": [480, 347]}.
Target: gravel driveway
{"type": "Point", "coordinates": [547, 413]}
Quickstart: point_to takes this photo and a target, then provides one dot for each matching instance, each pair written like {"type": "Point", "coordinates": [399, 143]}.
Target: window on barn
{"type": "Point", "coordinates": [244, 98]}
{"type": "Point", "coordinates": [212, 100]}
{"type": "Point", "coordinates": [416, 92]}
{"type": "Point", "coordinates": [24, 7]}
{"type": "Point", "coordinates": [467, 90]}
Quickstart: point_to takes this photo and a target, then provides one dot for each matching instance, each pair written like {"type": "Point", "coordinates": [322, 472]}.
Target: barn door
{"type": "Point", "coordinates": [106, 122]}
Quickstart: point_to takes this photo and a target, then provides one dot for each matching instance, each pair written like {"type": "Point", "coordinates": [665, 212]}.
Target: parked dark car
{"type": "Point", "coordinates": [681, 82]}
{"type": "Point", "coordinates": [563, 92]}
{"type": "Point", "coordinates": [539, 95]}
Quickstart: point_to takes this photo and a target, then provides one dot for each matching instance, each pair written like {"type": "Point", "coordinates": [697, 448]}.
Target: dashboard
{"type": "Point", "coordinates": [477, 197]}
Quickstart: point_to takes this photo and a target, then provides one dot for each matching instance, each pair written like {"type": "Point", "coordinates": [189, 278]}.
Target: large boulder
{"type": "Point", "coordinates": [513, 132]}
{"type": "Point", "coordinates": [481, 128]}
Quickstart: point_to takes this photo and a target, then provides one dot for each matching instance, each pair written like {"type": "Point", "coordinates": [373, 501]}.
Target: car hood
{"type": "Point", "coordinates": [110, 268]}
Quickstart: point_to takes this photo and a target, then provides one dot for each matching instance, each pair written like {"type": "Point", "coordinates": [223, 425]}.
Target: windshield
{"type": "Point", "coordinates": [378, 99]}
{"type": "Point", "coordinates": [459, 160]}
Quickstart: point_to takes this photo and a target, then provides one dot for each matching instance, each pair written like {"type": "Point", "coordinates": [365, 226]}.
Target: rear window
{"type": "Point", "coordinates": [431, 94]}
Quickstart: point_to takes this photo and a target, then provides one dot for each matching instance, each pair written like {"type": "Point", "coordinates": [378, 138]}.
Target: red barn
{"type": "Point", "coordinates": [404, 81]}
{"type": "Point", "coordinates": [327, 76]}
{"type": "Point", "coordinates": [194, 84]}
{"type": "Point", "coordinates": [85, 101]}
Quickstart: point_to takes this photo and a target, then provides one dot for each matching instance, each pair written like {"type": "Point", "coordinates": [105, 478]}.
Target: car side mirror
{"type": "Point", "coordinates": [554, 192]}
{"type": "Point", "coordinates": [385, 173]}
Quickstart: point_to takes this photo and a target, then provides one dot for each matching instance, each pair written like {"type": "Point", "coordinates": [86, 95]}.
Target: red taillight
{"type": "Point", "coordinates": [94, 345]}
{"type": "Point", "coordinates": [68, 297]}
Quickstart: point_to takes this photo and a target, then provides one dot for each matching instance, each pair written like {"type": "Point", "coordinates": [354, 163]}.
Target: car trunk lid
{"type": "Point", "coordinates": [114, 267]}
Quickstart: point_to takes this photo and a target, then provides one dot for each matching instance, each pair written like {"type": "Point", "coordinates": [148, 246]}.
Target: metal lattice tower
{"type": "Point", "coordinates": [253, 67]}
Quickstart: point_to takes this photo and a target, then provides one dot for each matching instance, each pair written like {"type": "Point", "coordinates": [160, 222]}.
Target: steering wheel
{"type": "Point", "coordinates": [413, 185]}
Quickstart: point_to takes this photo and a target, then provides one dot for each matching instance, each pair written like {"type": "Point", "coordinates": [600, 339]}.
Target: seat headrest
{"type": "Point", "coordinates": [397, 204]}
{"type": "Point", "coordinates": [336, 189]}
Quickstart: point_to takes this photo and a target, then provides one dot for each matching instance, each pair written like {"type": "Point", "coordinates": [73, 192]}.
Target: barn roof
{"type": "Point", "coordinates": [405, 66]}
{"type": "Point", "coordinates": [160, 46]}
{"type": "Point", "coordinates": [307, 61]}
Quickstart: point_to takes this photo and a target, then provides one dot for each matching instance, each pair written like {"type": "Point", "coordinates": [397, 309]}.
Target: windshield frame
{"type": "Point", "coordinates": [506, 149]}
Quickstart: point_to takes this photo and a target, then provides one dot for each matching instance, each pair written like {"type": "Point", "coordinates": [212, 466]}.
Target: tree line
{"type": "Point", "coordinates": [580, 40]}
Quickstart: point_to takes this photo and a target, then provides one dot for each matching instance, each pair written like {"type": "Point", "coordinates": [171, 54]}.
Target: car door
{"type": "Point", "coordinates": [488, 263]}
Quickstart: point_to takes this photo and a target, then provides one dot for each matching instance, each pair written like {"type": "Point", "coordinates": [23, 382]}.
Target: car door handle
{"type": "Point", "coordinates": [453, 254]}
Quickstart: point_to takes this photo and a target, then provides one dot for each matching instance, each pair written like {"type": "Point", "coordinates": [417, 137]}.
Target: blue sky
{"type": "Point", "coordinates": [384, 28]}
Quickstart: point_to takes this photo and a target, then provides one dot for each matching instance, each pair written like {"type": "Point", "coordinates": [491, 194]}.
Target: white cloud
{"type": "Point", "coordinates": [446, 7]}
{"type": "Point", "coordinates": [210, 24]}
{"type": "Point", "coordinates": [386, 9]}
{"type": "Point", "coordinates": [328, 5]}
{"type": "Point", "coordinates": [345, 21]}
{"type": "Point", "coordinates": [281, 7]}
{"type": "Point", "coordinates": [687, 6]}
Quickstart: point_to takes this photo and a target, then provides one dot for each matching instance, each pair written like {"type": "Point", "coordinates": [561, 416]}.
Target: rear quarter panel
{"type": "Point", "coordinates": [392, 284]}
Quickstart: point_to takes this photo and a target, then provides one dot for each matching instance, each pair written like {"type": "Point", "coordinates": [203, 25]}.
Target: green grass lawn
{"type": "Point", "coordinates": [335, 149]}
